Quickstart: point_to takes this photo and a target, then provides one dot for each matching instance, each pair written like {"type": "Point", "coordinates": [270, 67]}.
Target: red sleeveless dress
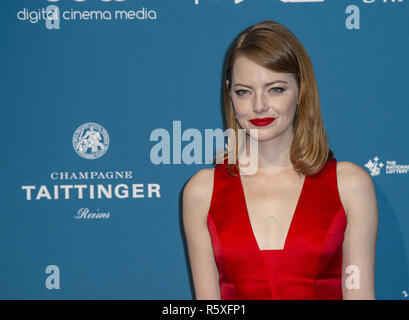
{"type": "Point", "coordinates": [310, 264]}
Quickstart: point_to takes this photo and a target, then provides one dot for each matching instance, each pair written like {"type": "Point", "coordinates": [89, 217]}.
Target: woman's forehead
{"type": "Point", "coordinates": [245, 69]}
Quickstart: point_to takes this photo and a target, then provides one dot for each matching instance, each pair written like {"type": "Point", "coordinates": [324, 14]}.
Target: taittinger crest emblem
{"type": "Point", "coordinates": [90, 140]}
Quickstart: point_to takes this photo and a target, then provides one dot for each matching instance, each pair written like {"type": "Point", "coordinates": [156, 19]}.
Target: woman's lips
{"type": "Point", "coordinates": [262, 121]}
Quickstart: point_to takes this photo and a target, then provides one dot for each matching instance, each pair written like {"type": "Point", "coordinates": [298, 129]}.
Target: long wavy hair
{"type": "Point", "coordinates": [274, 47]}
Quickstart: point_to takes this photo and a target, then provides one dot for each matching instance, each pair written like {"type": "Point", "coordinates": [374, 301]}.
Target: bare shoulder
{"type": "Point", "coordinates": [353, 176]}
{"type": "Point", "coordinates": [355, 186]}
{"type": "Point", "coordinates": [198, 191]}
{"type": "Point", "coordinates": [200, 184]}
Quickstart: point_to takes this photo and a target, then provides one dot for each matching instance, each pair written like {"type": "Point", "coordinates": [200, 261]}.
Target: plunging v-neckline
{"type": "Point", "coordinates": [253, 236]}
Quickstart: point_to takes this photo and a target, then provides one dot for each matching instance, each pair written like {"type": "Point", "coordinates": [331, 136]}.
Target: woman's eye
{"type": "Point", "coordinates": [277, 89]}
{"type": "Point", "coordinates": [241, 92]}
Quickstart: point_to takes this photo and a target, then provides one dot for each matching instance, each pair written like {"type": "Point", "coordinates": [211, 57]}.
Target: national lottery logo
{"type": "Point", "coordinates": [375, 166]}
{"type": "Point", "coordinates": [90, 140]}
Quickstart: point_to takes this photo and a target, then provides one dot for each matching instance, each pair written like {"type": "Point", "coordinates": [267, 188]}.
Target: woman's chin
{"type": "Point", "coordinates": [262, 136]}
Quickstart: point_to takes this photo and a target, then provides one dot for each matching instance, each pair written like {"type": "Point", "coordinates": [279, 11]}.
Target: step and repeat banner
{"type": "Point", "coordinates": [91, 196]}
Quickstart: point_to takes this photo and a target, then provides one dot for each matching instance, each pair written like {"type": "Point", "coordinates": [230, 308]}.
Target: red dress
{"type": "Point", "coordinates": [310, 264]}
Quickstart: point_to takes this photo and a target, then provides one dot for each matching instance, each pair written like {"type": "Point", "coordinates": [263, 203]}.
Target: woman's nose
{"type": "Point", "coordinates": [259, 103]}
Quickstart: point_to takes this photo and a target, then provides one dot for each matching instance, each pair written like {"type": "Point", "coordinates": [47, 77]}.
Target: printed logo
{"type": "Point", "coordinates": [85, 213]}
{"type": "Point", "coordinates": [90, 140]}
{"type": "Point", "coordinates": [374, 167]}
{"type": "Point", "coordinates": [53, 17]}
{"type": "Point", "coordinates": [391, 167]}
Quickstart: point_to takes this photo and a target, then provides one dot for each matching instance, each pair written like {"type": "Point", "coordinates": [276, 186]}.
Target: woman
{"type": "Point", "coordinates": [304, 226]}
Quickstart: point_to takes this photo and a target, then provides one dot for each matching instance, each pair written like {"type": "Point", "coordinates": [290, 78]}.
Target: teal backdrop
{"type": "Point", "coordinates": [91, 76]}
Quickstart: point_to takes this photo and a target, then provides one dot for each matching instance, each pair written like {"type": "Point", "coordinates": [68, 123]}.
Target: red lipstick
{"type": "Point", "coordinates": [261, 121]}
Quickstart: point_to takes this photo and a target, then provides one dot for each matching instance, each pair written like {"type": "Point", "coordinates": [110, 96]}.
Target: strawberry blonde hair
{"type": "Point", "coordinates": [274, 47]}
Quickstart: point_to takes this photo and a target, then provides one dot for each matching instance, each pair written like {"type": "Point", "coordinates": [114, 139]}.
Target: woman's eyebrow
{"type": "Point", "coordinates": [266, 85]}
